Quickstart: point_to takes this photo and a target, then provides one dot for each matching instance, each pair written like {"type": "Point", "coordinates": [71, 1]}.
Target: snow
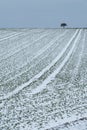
{"type": "Point", "coordinates": [38, 75]}
{"type": "Point", "coordinates": [2, 39]}
{"type": "Point", "coordinates": [52, 76]}
{"type": "Point", "coordinates": [68, 122]}
{"type": "Point", "coordinates": [43, 79]}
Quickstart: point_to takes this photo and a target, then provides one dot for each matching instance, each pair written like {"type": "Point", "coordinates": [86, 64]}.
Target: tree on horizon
{"type": "Point", "coordinates": [63, 25]}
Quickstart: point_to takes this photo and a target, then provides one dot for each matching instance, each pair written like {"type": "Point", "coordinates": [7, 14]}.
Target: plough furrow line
{"type": "Point", "coordinates": [41, 51]}
{"type": "Point", "coordinates": [52, 76]}
{"type": "Point", "coordinates": [46, 81]}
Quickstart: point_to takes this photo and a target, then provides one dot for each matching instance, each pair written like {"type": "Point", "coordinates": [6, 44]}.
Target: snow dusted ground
{"type": "Point", "coordinates": [43, 79]}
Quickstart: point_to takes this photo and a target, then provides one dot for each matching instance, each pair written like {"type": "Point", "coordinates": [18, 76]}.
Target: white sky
{"type": "Point", "coordinates": [43, 13]}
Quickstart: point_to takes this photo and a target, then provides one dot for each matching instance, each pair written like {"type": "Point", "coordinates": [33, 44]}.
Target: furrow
{"type": "Point", "coordinates": [10, 36]}
{"type": "Point", "coordinates": [19, 44]}
{"type": "Point", "coordinates": [52, 76]}
{"type": "Point", "coordinates": [26, 54]}
{"type": "Point", "coordinates": [40, 52]}
{"type": "Point", "coordinates": [19, 88]}
{"type": "Point", "coordinates": [19, 49]}
{"type": "Point", "coordinates": [76, 70]}
{"type": "Point", "coordinates": [68, 124]}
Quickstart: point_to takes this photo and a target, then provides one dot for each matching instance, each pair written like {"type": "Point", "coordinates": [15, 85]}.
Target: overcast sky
{"type": "Point", "coordinates": [43, 13]}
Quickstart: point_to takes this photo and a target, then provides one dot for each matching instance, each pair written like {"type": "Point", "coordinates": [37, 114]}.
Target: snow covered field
{"type": "Point", "coordinates": [43, 79]}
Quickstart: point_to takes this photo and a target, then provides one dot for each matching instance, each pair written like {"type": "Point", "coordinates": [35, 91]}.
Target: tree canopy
{"type": "Point", "coordinates": [63, 25]}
